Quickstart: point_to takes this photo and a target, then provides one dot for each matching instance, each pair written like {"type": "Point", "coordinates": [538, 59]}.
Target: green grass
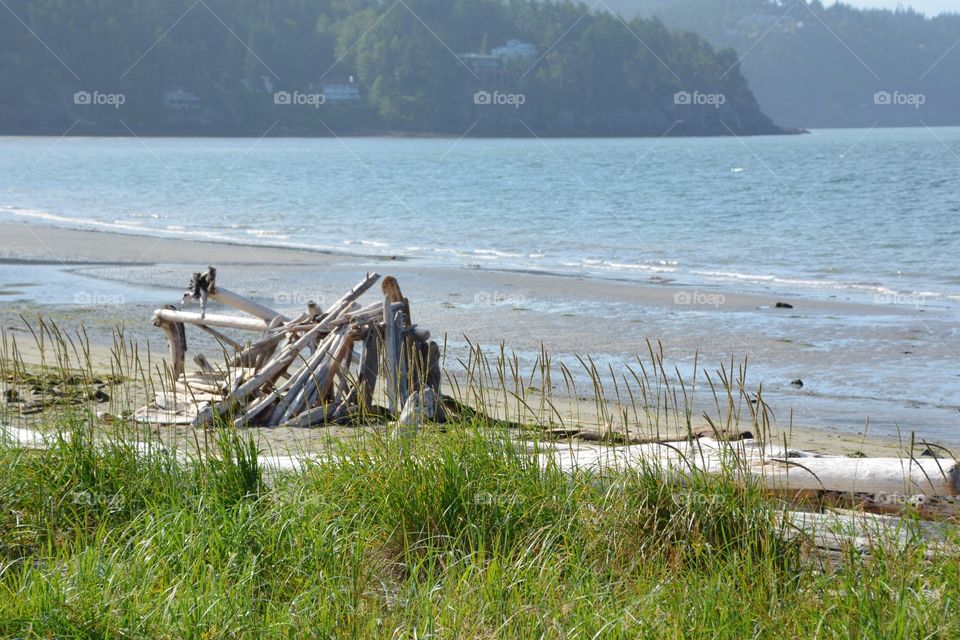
{"type": "Point", "coordinates": [459, 534]}
{"type": "Point", "coordinates": [462, 535]}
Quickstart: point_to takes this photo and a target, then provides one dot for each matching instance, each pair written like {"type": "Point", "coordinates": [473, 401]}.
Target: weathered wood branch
{"type": "Point", "coordinates": [212, 320]}
{"type": "Point", "coordinates": [229, 298]}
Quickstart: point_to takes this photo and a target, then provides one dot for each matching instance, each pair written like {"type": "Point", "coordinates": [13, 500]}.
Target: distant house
{"type": "Point", "coordinates": [180, 100]}
{"type": "Point", "coordinates": [488, 68]}
{"type": "Point", "coordinates": [481, 63]}
{"type": "Point", "coordinates": [515, 50]}
{"type": "Point", "coordinates": [492, 67]}
{"type": "Point", "coordinates": [340, 90]}
{"type": "Point", "coordinates": [264, 86]}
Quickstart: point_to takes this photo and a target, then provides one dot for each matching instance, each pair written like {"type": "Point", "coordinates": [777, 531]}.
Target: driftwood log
{"type": "Point", "coordinates": [776, 469]}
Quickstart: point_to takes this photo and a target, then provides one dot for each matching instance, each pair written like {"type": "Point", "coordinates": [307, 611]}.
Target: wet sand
{"type": "Point", "coordinates": [35, 243]}
{"type": "Point", "coordinates": [55, 246]}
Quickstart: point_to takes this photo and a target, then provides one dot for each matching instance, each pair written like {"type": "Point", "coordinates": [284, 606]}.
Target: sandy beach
{"type": "Point", "coordinates": [52, 245]}
{"type": "Point", "coordinates": [122, 278]}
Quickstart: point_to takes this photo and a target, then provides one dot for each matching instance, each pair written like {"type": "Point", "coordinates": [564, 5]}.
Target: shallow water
{"type": "Point", "coordinates": [862, 214]}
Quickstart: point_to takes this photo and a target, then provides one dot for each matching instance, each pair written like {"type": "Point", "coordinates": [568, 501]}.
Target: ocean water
{"type": "Point", "coordinates": [861, 216]}
{"type": "Point", "coordinates": [871, 215]}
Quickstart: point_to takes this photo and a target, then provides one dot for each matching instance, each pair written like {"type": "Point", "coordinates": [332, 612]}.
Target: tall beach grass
{"type": "Point", "coordinates": [107, 531]}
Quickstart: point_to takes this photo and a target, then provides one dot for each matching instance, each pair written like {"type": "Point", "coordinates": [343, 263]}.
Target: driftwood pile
{"type": "Point", "coordinates": [320, 367]}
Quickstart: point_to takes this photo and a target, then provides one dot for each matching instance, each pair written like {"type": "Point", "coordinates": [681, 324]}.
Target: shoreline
{"type": "Point", "coordinates": [20, 246]}
{"type": "Point", "coordinates": [69, 247]}
{"type": "Point", "coordinates": [521, 309]}
{"type": "Point", "coordinates": [390, 134]}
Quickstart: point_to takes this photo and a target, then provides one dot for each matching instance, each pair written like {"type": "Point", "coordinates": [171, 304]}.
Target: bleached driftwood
{"type": "Point", "coordinates": [304, 370]}
{"type": "Point", "coordinates": [176, 340]}
{"type": "Point", "coordinates": [227, 297]}
{"type": "Point", "coordinates": [836, 531]}
{"type": "Point", "coordinates": [203, 285]}
{"type": "Point", "coordinates": [212, 320]}
{"type": "Point", "coordinates": [392, 340]}
{"type": "Point", "coordinates": [771, 467]}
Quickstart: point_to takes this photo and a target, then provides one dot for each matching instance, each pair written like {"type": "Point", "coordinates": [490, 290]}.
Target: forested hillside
{"type": "Point", "coordinates": [323, 67]}
{"type": "Point", "coordinates": [837, 66]}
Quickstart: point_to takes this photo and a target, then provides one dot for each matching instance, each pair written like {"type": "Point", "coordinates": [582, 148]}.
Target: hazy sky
{"type": "Point", "coordinates": [927, 6]}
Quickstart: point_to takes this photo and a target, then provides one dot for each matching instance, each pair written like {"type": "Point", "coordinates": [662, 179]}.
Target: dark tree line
{"type": "Point", "coordinates": [596, 74]}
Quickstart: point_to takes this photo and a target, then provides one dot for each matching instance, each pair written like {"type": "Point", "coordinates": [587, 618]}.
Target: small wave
{"type": "Point", "coordinates": [875, 289]}
{"type": "Point", "coordinates": [663, 266]}
{"type": "Point", "coordinates": [496, 253]}
{"type": "Point", "coordinates": [266, 233]}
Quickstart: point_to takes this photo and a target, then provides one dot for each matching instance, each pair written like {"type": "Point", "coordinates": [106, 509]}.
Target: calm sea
{"type": "Point", "coordinates": [864, 214]}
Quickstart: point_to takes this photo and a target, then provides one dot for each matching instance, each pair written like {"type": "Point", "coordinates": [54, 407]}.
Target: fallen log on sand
{"type": "Point", "coordinates": [772, 468]}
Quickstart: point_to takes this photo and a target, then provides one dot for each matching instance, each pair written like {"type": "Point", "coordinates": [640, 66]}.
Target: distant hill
{"type": "Point", "coordinates": [325, 67]}
{"type": "Point", "coordinates": [812, 66]}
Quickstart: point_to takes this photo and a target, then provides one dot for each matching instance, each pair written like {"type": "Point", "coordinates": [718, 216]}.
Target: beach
{"type": "Point", "coordinates": [107, 279]}
{"type": "Point", "coordinates": [479, 319]}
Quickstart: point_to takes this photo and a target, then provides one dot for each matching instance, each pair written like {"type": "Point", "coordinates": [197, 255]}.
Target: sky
{"type": "Point", "coordinates": [930, 7]}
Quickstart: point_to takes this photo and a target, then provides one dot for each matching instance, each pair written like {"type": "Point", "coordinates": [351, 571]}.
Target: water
{"type": "Point", "coordinates": [861, 216]}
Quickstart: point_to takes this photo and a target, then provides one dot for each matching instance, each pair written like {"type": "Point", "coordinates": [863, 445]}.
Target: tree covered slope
{"type": "Point", "coordinates": [322, 67]}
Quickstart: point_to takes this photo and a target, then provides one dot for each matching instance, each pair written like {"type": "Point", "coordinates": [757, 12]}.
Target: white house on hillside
{"type": "Point", "coordinates": [340, 90]}
{"type": "Point", "coordinates": [515, 49]}
{"type": "Point", "coordinates": [180, 100]}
